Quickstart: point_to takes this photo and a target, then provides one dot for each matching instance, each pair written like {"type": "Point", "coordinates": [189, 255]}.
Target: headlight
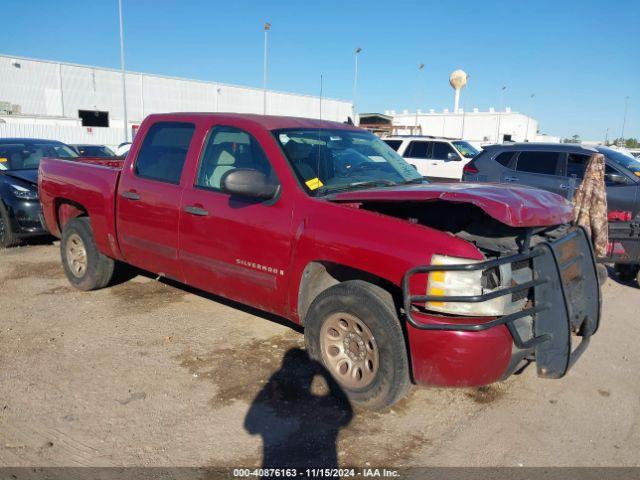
{"type": "Point", "coordinates": [469, 283]}
{"type": "Point", "coordinates": [23, 193]}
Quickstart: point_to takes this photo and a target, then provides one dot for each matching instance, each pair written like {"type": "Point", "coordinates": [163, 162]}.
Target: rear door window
{"type": "Point", "coordinates": [538, 162]}
{"type": "Point", "coordinates": [504, 159]}
{"type": "Point", "coordinates": [164, 151]}
{"type": "Point", "coordinates": [418, 149]}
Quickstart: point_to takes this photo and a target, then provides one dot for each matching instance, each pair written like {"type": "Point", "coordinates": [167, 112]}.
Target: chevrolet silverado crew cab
{"type": "Point", "coordinates": [438, 159]}
{"type": "Point", "coordinates": [395, 280]}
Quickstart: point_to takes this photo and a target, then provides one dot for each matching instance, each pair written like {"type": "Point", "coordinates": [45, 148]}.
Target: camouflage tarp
{"type": "Point", "coordinates": [590, 204]}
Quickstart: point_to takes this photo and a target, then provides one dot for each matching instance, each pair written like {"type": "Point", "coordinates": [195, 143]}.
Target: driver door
{"type": "Point", "coordinates": [447, 162]}
{"type": "Point", "coordinates": [234, 246]}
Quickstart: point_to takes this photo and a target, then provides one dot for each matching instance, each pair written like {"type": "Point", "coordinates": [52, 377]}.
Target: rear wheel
{"type": "Point", "coordinates": [7, 237]}
{"type": "Point", "coordinates": [86, 268]}
{"type": "Point", "coordinates": [353, 329]}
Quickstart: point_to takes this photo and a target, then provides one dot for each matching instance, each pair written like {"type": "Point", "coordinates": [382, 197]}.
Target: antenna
{"type": "Point", "coordinates": [320, 96]}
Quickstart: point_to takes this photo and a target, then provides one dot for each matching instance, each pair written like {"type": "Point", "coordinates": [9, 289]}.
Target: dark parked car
{"type": "Point", "coordinates": [94, 151]}
{"type": "Point", "coordinates": [20, 213]}
{"type": "Point", "coordinates": [551, 167]}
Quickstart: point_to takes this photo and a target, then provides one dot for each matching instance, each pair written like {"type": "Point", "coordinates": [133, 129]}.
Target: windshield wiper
{"type": "Point", "coordinates": [368, 183]}
{"type": "Point", "coordinates": [416, 181]}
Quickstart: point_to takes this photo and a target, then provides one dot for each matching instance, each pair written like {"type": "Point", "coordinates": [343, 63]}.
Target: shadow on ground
{"type": "Point", "coordinates": [299, 413]}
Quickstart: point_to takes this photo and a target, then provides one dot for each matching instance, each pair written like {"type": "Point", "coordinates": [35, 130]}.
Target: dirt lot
{"type": "Point", "coordinates": [145, 373]}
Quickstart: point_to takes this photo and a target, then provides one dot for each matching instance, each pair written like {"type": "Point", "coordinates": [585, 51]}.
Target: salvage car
{"type": "Point", "coordinates": [395, 280]}
{"type": "Point", "coordinates": [438, 159]}
{"type": "Point", "coordinates": [19, 205]}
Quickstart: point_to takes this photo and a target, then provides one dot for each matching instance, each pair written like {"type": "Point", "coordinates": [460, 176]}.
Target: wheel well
{"type": "Point", "coordinates": [67, 210]}
{"type": "Point", "coordinates": [319, 276]}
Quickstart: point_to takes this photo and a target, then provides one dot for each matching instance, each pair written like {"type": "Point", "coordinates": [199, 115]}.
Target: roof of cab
{"type": "Point", "coordinates": [270, 122]}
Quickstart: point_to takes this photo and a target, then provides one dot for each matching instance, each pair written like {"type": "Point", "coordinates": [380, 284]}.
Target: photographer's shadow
{"type": "Point", "coordinates": [299, 428]}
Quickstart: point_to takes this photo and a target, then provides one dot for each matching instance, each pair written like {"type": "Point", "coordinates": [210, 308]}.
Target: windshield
{"type": "Point", "coordinates": [621, 159]}
{"type": "Point", "coordinates": [465, 148]}
{"type": "Point", "coordinates": [27, 156]}
{"type": "Point", "coordinates": [95, 151]}
{"type": "Point", "coordinates": [326, 161]}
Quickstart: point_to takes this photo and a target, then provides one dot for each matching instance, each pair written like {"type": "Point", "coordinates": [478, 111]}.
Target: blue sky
{"type": "Point", "coordinates": [580, 58]}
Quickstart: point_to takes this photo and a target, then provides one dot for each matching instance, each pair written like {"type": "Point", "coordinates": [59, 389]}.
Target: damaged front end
{"type": "Point", "coordinates": [544, 293]}
{"type": "Point", "coordinates": [473, 322]}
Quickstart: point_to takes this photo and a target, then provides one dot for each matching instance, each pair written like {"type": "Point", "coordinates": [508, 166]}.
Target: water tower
{"type": "Point", "coordinates": [457, 79]}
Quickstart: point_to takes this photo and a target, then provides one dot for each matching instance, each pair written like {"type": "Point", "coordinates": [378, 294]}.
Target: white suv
{"type": "Point", "coordinates": [435, 158]}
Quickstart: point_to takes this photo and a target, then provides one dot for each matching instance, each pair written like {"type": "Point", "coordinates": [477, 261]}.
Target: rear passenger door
{"type": "Point", "coordinates": [148, 199]}
{"type": "Point", "coordinates": [539, 169]}
{"type": "Point", "coordinates": [418, 154]}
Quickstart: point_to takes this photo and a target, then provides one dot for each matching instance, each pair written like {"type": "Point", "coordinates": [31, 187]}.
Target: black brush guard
{"type": "Point", "coordinates": [566, 300]}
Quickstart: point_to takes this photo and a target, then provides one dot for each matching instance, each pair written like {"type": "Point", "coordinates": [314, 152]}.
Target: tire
{"type": "Point", "coordinates": [86, 268]}
{"type": "Point", "coordinates": [8, 238]}
{"type": "Point", "coordinates": [367, 336]}
{"type": "Point", "coordinates": [626, 272]}
{"type": "Point", "coordinates": [602, 272]}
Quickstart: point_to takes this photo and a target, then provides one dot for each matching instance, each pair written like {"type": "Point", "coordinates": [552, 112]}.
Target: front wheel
{"type": "Point", "coordinates": [86, 268]}
{"type": "Point", "coordinates": [353, 329]}
{"type": "Point", "coordinates": [7, 237]}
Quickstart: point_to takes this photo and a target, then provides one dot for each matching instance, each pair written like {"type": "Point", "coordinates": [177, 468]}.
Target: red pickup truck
{"type": "Point", "coordinates": [395, 280]}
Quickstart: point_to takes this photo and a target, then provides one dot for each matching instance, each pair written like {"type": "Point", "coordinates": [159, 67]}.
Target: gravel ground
{"type": "Point", "coordinates": [147, 373]}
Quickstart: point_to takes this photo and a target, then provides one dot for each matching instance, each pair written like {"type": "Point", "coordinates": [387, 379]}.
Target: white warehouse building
{"type": "Point", "coordinates": [475, 126]}
{"type": "Point", "coordinates": [84, 104]}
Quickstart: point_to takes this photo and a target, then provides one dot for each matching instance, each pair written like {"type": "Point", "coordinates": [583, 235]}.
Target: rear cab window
{"type": "Point", "coordinates": [163, 151]}
{"type": "Point", "coordinates": [539, 162]}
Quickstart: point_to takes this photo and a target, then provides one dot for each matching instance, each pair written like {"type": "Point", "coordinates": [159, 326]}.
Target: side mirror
{"type": "Point", "coordinates": [247, 182]}
{"type": "Point", "coordinates": [615, 178]}
{"type": "Point", "coordinates": [453, 156]}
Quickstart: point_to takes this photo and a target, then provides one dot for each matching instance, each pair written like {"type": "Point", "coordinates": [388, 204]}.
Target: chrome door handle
{"type": "Point", "coordinates": [564, 186]}
{"type": "Point", "coordinates": [131, 195]}
{"type": "Point", "coordinates": [511, 179]}
{"type": "Point", "coordinates": [198, 211]}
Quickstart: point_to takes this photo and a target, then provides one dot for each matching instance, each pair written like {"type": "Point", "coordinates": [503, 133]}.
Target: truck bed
{"type": "Point", "coordinates": [89, 182]}
{"type": "Point", "coordinates": [102, 161]}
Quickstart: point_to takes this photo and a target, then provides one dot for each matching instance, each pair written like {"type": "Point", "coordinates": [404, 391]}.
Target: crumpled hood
{"type": "Point", "coordinates": [29, 176]}
{"type": "Point", "coordinates": [516, 206]}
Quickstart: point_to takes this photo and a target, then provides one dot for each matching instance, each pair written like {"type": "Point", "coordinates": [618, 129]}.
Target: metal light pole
{"type": "Point", "coordinates": [500, 113]}
{"type": "Point", "coordinates": [420, 67]}
{"type": "Point", "coordinates": [355, 85]}
{"type": "Point", "coordinates": [124, 76]}
{"type": "Point", "coordinates": [624, 118]}
{"type": "Point", "coordinates": [526, 132]}
{"type": "Point", "coordinates": [267, 27]}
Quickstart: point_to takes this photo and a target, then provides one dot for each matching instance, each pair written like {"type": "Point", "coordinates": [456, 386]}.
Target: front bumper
{"type": "Point", "coordinates": [564, 303]}
{"type": "Point", "coordinates": [26, 217]}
